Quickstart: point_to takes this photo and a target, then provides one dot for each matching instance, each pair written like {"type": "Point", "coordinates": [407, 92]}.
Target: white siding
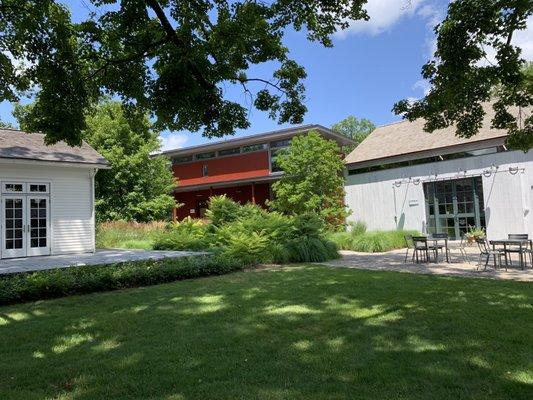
{"type": "Point", "coordinates": [71, 203]}
{"type": "Point", "coordinates": [373, 198]}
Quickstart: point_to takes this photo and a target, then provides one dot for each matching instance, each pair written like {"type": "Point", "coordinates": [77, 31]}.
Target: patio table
{"type": "Point", "coordinates": [523, 245]}
{"type": "Point", "coordinates": [436, 243]}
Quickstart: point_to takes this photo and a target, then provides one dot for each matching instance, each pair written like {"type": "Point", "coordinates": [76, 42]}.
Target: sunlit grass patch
{"type": "Point", "coordinates": [301, 332]}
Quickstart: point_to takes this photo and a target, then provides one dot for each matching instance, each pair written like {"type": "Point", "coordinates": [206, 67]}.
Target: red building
{"type": "Point", "coordinates": [241, 168]}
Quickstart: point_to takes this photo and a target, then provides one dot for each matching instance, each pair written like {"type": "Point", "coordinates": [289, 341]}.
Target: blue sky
{"type": "Point", "coordinates": [372, 65]}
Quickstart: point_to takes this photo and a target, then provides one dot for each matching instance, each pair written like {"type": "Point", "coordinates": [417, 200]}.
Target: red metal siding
{"type": "Point", "coordinates": [223, 169]}
{"type": "Point", "coordinates": [241, 194]}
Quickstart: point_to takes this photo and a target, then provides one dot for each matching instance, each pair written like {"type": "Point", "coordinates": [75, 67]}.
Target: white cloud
{"type": "Point", "coordinates": [383, 15]}
{"type": "Point", "coordinates": [422, 85]}
{"type": "Point", "coordinates": [172, 141]}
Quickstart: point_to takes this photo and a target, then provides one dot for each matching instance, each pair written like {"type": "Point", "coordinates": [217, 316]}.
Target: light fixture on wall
{"type": "Point", "coordinates": [398, 183]}
{"type": "Point", "coordinates": [416, 181]}
{"type": "Point", "coordinates": [514, 170]}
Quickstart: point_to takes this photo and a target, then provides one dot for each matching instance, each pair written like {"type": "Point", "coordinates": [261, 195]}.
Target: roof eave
{"type": "Point", "coordinates": [14, 160]}
{"type": "Point", "coordinates": [475, 145]}
{"type": "Point", "coordinates": [259, 138]}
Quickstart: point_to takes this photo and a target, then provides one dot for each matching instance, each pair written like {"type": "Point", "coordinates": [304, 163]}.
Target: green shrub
{"type": "Point", "coordinates": [311, 249]}
{"type": "Point", "coordinates": [222, 210]}
{"type": "Point", "coordinates": [380, 241]}
{"type": "Point", "coordinates": [189, 234]}
{"type": "Point", "coordinates": [357, 228]}
{"type": "Point", "coordinates": [250, 234]}
{"type": "Point", "coordinates": [343, 240]}
{"type": "Point", "coordinates": [250, 248]}
{"type": "Point", "coordinates": [308, 225]}
{"type": "Point", "coordinates": [30, 286]}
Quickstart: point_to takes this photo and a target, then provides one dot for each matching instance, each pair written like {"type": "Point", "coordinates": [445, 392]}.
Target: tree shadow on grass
{"type": "Point", "coordinates": [288, 333]}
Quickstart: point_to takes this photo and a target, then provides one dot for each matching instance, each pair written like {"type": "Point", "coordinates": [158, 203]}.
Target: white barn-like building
{"type": "Point", "coordinates": [46, 196]}
{"type": "Point", "coordinates": [401, 177]}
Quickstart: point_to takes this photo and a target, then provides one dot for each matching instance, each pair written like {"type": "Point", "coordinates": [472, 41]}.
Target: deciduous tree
{"type": "Point", "coordinates": [354, 128]}
{"type": "Point", "coordinates": [313, 179]}
{"type": "Point", "coordinates": [138, 186]}
{"type": "Point", "coordinates": [463, 77]}
{"type": "Point", "coordinates": [171, 58]}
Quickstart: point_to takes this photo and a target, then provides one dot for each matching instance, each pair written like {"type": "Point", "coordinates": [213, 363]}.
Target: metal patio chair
{"type": "Point", "coordinates": [487, 252]}
{"type": "Point", "coordinates": [461, 246]}
{"type": "Point", "coordinates": [409, 246]}
{"type": "Point", "coordinates": [516, 249]}
{"type": "Point", "coordinates": [422, 249]}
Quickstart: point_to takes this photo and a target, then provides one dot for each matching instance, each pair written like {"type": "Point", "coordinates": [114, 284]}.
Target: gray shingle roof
{"type": "Point", "coordinates": [15, 144]}
{"type": "Point", "coordinates": [409, 138]}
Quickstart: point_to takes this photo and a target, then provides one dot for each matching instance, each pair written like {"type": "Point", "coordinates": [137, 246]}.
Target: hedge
{"type": "Point", "coordinates": [30, 286]}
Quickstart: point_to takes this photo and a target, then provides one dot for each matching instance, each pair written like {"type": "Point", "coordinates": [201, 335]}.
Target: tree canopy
{"type": "Point", "coordinates": [463, 78]}
{"type": "Point", "coordinates": [138, 186]}
{"type": "Point", "coordinates": [313, 180]}
{"type": "Point", "coordinates": [171, 58]}
{"type": "Point", "coordinates": [354, 128]}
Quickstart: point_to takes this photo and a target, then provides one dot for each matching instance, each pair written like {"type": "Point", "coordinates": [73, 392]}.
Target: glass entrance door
{"type": "Point", "coordinates": [455, 205]}
{"type": "Point", "coordinates": [25, 221]}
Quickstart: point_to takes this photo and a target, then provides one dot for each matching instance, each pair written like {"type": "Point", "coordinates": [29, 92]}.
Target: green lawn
{"type": "Point", "coordinates": [293, 333]}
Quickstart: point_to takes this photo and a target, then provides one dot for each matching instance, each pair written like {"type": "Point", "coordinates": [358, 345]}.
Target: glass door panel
{"type": "Point", "coordinates": [455, 205]}
{"type": "Point", "coordinates": [13, 237]}
{"type": "Point", "coordinates": [38, 230]}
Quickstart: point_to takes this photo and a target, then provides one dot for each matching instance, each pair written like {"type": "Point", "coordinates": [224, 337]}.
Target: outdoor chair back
{"type": "Point", "coordinates": [439, 235]}
{"type": "Point", "coordinates": [408, 241]}
{"type": "Point", "coordinates": [420, 242]}
{"type": "Point", "coordinates": [518, 236]}
{"type": "Point", "coordinates": [483, 245]}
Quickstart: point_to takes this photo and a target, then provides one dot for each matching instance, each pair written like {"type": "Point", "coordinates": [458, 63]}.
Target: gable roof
{"type": "Point", "coordinates": [261, 138]}
{"type": "Point", "coordinates": [408, 140]}
{"type": "Point", "coordinates": [19, 145]}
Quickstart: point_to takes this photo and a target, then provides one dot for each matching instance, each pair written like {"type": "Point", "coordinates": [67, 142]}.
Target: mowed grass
{"type": "Point", "coordinates": [301, 332]}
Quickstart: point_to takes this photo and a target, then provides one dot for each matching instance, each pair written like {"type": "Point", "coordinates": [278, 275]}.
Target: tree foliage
{"type": "Point", "coordinates": [171, 58]}
{"type": "Point", "coordinates": [354, 128]}
{"type": "Point", "coordinates": [463, 78]}
{"type": "Point", "coordinates": [137, 186]}
{"type": "Point", "coordinates": [4, 124]}
{"type": "Point", "coordinates": [313, 179]}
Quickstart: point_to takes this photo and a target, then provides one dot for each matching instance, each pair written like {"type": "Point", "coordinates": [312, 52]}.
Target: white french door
{"type": "Point", "coordinates": [25, 226]}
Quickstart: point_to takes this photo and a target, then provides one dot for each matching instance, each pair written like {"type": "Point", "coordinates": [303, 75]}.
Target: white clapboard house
{"type": "Point", "coordinates": [47, 196]}
{"type": "Point", "coordinates": [401, 177]}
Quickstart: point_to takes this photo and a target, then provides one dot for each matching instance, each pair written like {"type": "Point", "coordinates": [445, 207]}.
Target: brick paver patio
{"type": "Point", "coordinates": [394, 261]}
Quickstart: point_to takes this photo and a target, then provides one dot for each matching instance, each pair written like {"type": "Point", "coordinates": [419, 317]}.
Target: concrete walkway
{"type": "Point", "coordinates": [394, 261]}
{"type": "Point", "coordinates": [13, 265]}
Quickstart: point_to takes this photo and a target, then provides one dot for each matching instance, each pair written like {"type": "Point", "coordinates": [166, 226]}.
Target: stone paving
{"type": "Point", "coordinates": [394, 261]}
{"type": "Point", "coordinates": [13, 265]}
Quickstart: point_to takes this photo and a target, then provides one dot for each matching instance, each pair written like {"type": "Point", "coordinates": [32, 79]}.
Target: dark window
{"type": "Point", "coordinates": [203, 156]}
{"type": "Point", "coordinates": [274, 167]}
{"type": "Point", "coordinates": [182, 159]}
{"type": "Point", "coordinates": [205, 170]}
{"type": "Point", "coordinates": [280, 143]}
{"type": "Point", "coordinates": [38, 188]}
{"type": "Point", "coordinates": [253, 147]}
{"type": "Point", "coordinates": [227, 152]}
